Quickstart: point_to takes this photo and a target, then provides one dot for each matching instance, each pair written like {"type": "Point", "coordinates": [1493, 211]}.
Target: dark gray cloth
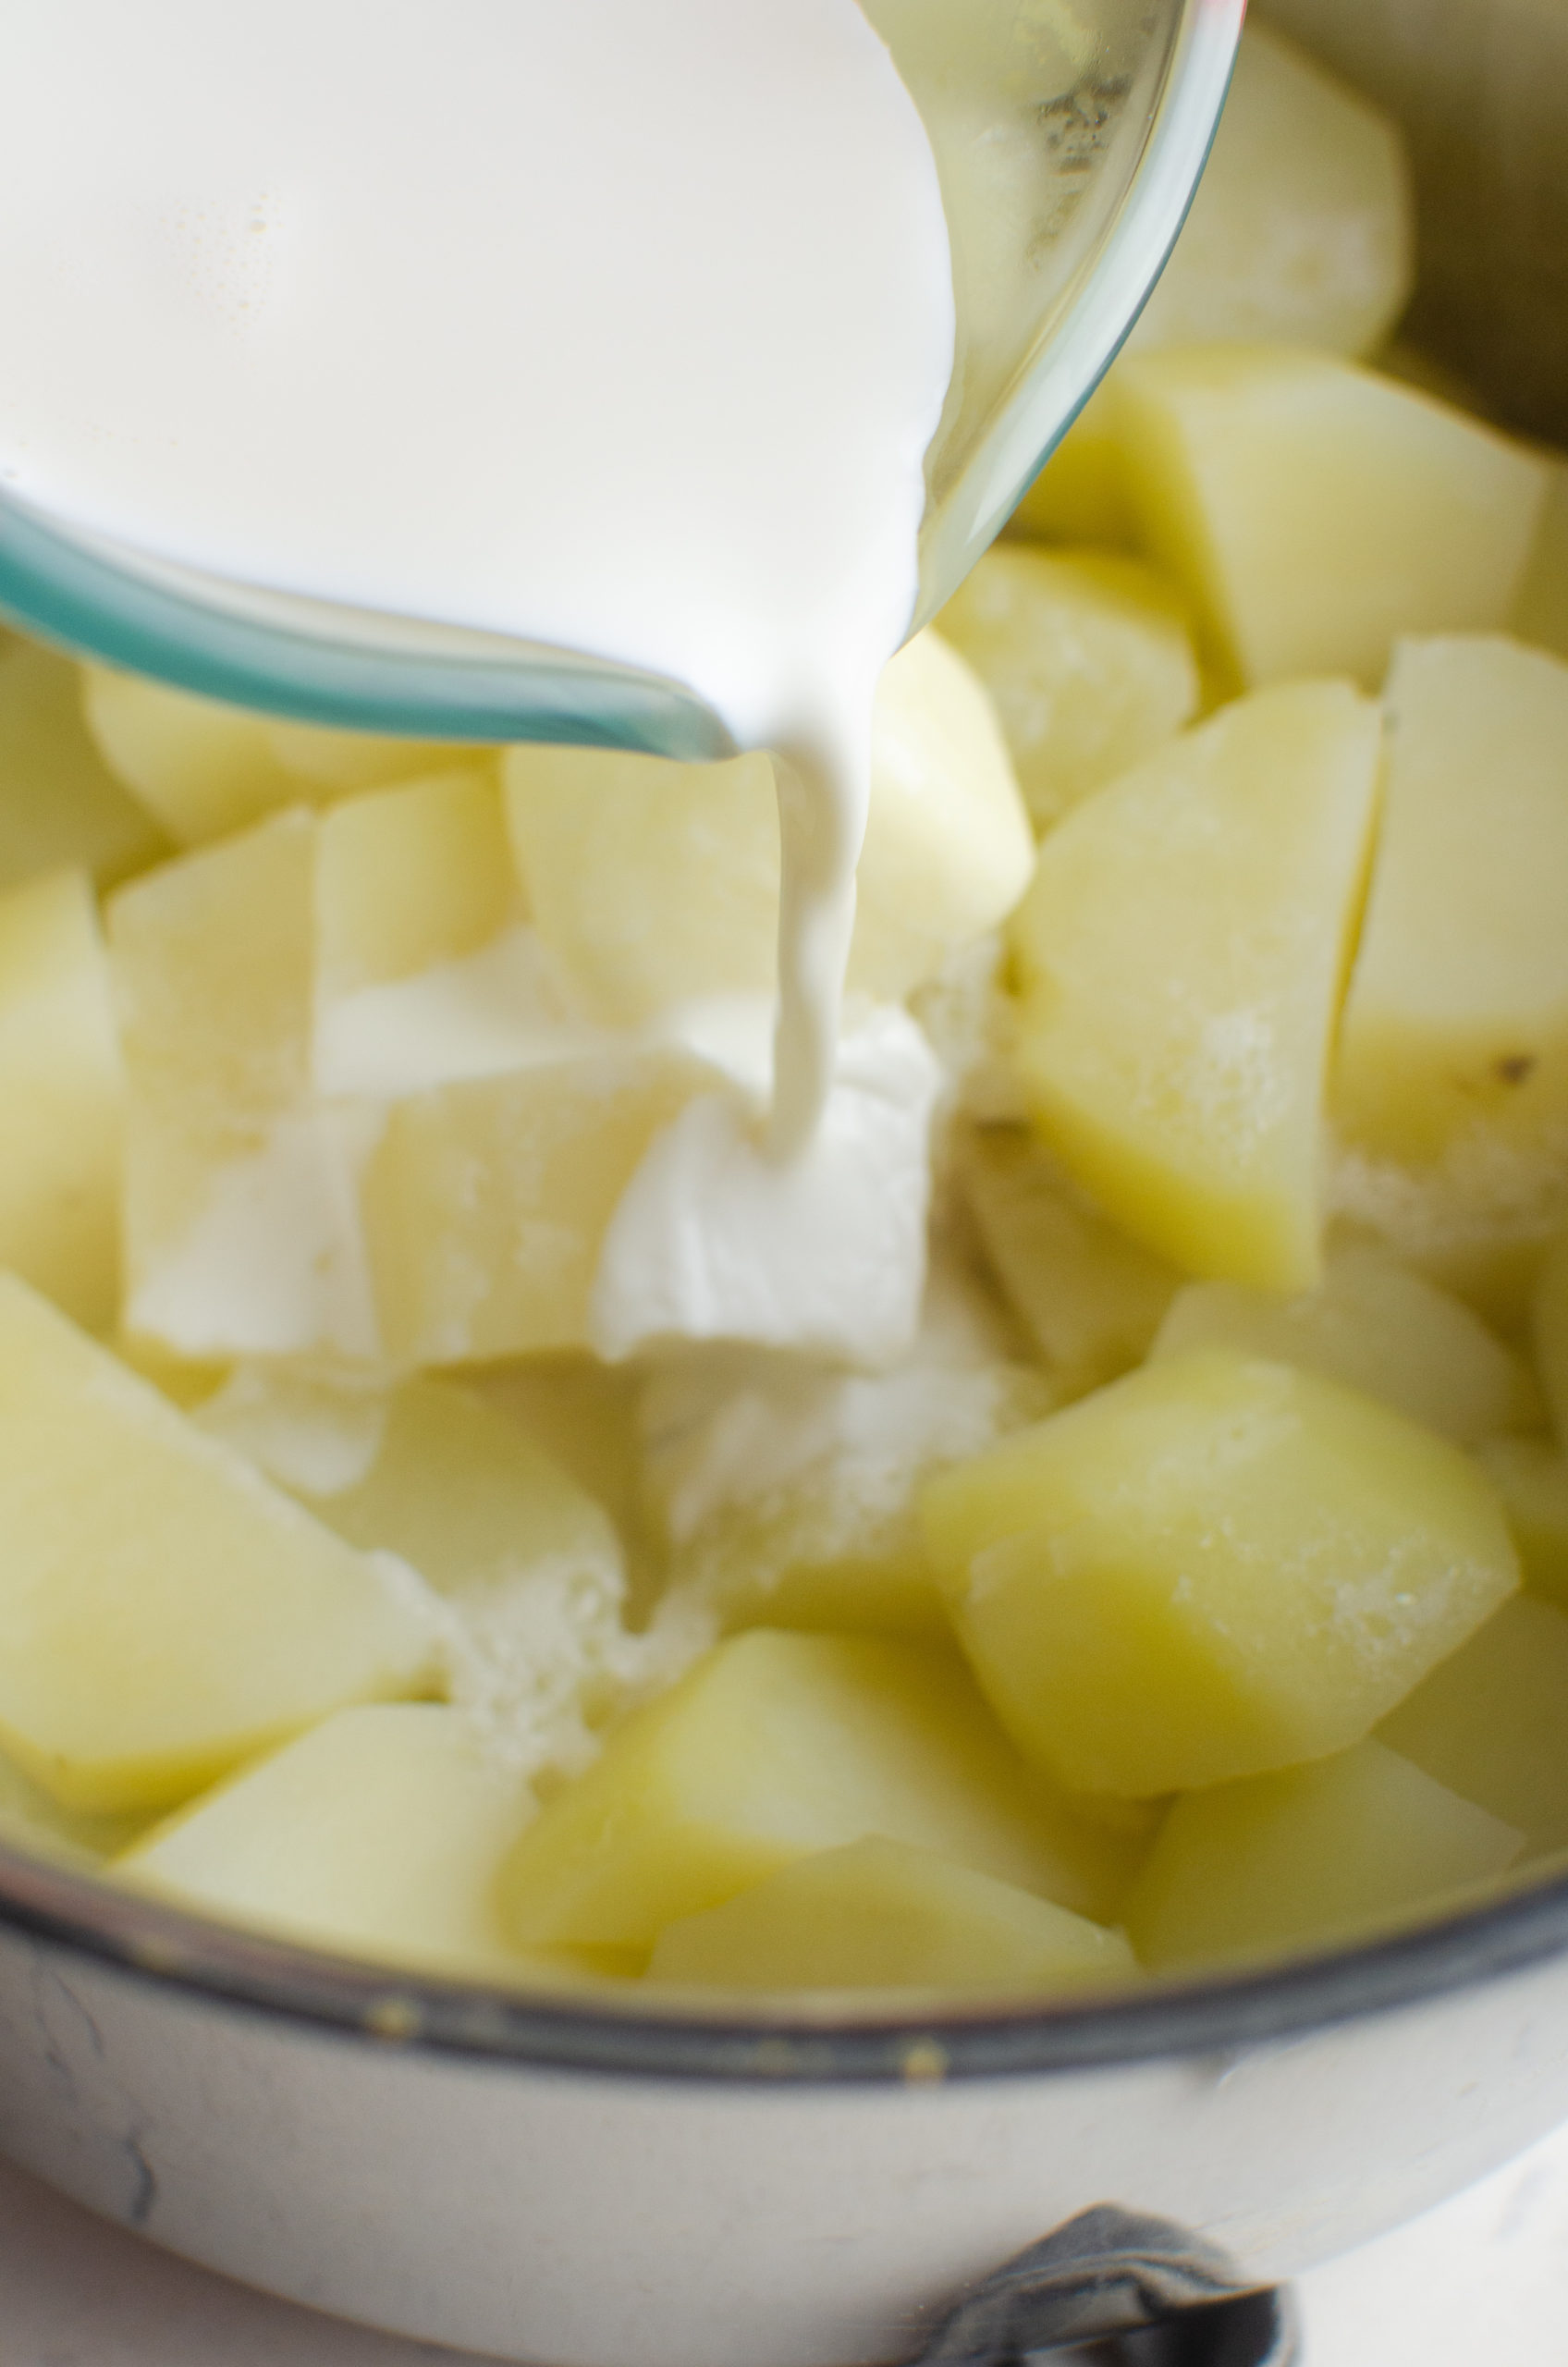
{"type": "Point", "coordinates": [1166, 2297]}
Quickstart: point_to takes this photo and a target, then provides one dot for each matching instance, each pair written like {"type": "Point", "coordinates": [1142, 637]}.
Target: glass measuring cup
{"type": "Point", "coordinates": [1069, 136]}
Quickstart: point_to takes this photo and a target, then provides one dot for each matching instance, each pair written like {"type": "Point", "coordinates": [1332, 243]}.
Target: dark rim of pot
{"type": "Point", "coordinates": [778, 2041]}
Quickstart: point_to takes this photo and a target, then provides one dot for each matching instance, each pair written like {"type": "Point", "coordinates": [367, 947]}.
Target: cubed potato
{"type": "Point", "coordinates": [783, 1491]}
{"type": "Point", "coordinates": [1478, 1223]}
{"type": "Point", "coordinates": [1531, 1477]}
{"type": "Point", "coordinates": [32, 1820]}
{"type": "Point", "coordinates": [1300, 234]}
{"type": "Point", "coordinates": [1457, 1017]}
{"type": "Point", "coordinates": [777, 1746]}
{"type": "Point", "coordinates": [1182, 953]}
{"type": "Point", "coordinates": [62, 1085]}
{"type": "Point", "coordinates": [166, 1613]}
{"type": "Point", "coordinates": [379, 1833]}
{"type": "Point", "coordinates": [486, 1203]}
{"type": "Point", "coordinates": [1214, 1567]}
{"type": "Point", "coordinates": [199, 768]}
{"type": "Point", "coordinates": [584, 1414]}
{"type": "Point", "coordinates": [1080, 493]}
{"type": "Point", "coordinates": [533, 1646]}
{"type": "Point", "coordinates": [202, 769]}
{"type": "Point", "coordinates": [1549, 1329]}
{"type": "Point", "coordinates": [1088, 659]}
{"type": "Point", "coordinates": [881, 1915]}
{"type": "Point", "coordinates": [1303, 228]}
{"type": "Point", "coordinates": [948, 846]}
{"type": "Point", "coordinates": [1488, 1722]}
{"type": "Point", "coordinates": [336, 764]}
{"type": "Point", "coordinates": [1091, 1299]}
{"type": "Point", "coordinates": [1313, 511]}
{"type": "Point", "coordinates": [1540, 612]}
{"type": "Point", "coordinates": [1375, 1326]}
{"type": "Point", "coordinates": [1309, 1857]}
{"type": "Point", "coordinates": [654, 884]}
{"type": "Point", "coordinates": [59, 803]}
{"type": "Point", "coordinates": [651, 883]}
{"type": "Point", "coordinates": [239, 1223]}
{"type": "Point", "coordinates": [411, 878]}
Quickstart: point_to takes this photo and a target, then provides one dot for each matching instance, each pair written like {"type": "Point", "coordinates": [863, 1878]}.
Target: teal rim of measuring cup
{"type": "Point", "coordinates": [387, 677]}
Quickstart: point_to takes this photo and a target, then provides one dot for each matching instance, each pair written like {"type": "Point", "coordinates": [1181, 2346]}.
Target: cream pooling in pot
{"type": "Point", "coordinates": [617, 329]}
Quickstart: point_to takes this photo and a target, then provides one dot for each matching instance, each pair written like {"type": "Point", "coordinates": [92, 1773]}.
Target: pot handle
{"type": "Point", "coordinates": [1169, 2299]}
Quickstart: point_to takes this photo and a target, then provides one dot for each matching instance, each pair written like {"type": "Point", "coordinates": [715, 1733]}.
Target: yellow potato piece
{"type": "Point", "coordinates": [1313, 511]}
{"type": "Point", "coordinates": [881, 1915]}
{"type": "Point", "coordinates": [239, 1221]}
{"type": "Point", "coordinates": [1375, 1326]}
{"type": "Point", "coordinates": [62, 1084]}
{"type": "Point", "coordinates": [1214, 1567]}
{"type": "Point", "coordinates": [202, 769]}
{"type": "Point", "coordinates": [199, 769]}
{"type": "Point", "coordinates": [166, 1613]}
{"type": "Point", "coordinates": [1531, 1477]}
{"type": "Point", "coordinates": [1457, 1018]}
{"type": "Point", "coordinates": [948, 846]}
{"type": "Point", "coordinates": [1303, 228]}
{"type": "Point", "coordinates": [484, 1202]}
{"type": "Point", "coordinates": [1301, 233]}
{"type": "Point", "coordinates": [775, 1747]}
{"type": "Point", "coordinates": [1550, 1327]}
{"type": "Point", "coordinates": [1081, 494]}
{"type": "Point", "coordinates": [654, 884]}
{"type": "Point", "coordinates": [1488, 1722]}
{"type": "Point", "coordinates": [1088, 659]}
{"type": "Point", "coordinates": [379, 1833]}
{"type": "Point", "coordinates": [411, 876]}
{"type": "Point", "coordinates": [59, 803]}
{"type": "Point", "coordinates": [1310, 1857]}
{"type": "Point", "coordinates": [1182, 953]}
{"type": "Point", "coordinates": [1091, 1299]}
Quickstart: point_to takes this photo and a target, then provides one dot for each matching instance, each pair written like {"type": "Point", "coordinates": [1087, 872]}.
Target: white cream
{"type": "Point", "coordinates": [619, 327]}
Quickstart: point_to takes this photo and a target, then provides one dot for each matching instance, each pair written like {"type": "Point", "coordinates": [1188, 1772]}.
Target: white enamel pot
{"type": "Point", "coordinates": [582, 2186]}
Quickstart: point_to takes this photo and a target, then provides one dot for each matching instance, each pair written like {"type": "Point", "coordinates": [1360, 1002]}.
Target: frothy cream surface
{"type": "Point", "coordinates": [617, 327]}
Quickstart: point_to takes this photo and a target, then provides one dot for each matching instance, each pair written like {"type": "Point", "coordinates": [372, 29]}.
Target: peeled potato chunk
{"type": "Point", "coordinates": [1311, 1856]}
{"type": "Point", "coordinates": [1488, 1722]}
{"type": "Point", "coordinates": [777, 1746]}
{"type": "Point", "coordinates": [530, 1564]}
{"type": "Point", "coordinates": [1091, 1299]}
{"type": "Point", "coordinates": [62, 1085]}
{"type": "Point", "coordinates": [1182, 953]}
{"type": "Point", "coordinates": [1313, 510]}
{"type": "Point", "coordinates": [1088, 659]}
{"type": "Point", "coordinates": [485, 1202]}
{"type": "Point", "coordinates": [948, 846]}
{"type": "Point", "coordinates": [198, 768]}
{"type": "Point", "coordinates": [202, 769]}
{"type": "Point", "coordinates": [1301, 233]}
{"type": "Point", "coordinates": [1531, 1477]}
{"type": "Point", "coordinates": [1303, 228]}
{"type": "Point", "coordinates": [881, 1915]}
{"type": "Point", "coordinates": [1457, 1018]}
{"type": "Point", "coordinates": [59, 803]}
{"type": "Point", "coordinates": [1550, 1325]}
{"type": "Point", "coordinates": [409, 878]}
{"type": "Point", "coordinates": [166, 1613]}
{"type": "Point", "coordinates": [654, 884]}
{"type": "Point", "coordinates": [379, 1833]}
{"type": "Point", "coordinates": [1214, 1567]}
{"type": "Point", "coordinates": [238, 1198]}
{"type": "Point", "coordinates": [1377, 1327]}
